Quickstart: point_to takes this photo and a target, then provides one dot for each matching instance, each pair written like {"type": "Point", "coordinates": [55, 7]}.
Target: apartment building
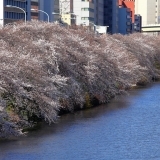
{"type": "Point", "coordinates": [125, 21]}
{"type": "Point", "coordinates": [88, 12]}
{"type": "Point", "coordinates": [99, 12]}
{"type": "Point", "coordinates": [14, 10]}
{"type": "Point", "coordinates": [137, 23]}
{"type": "Point", "coordinates": [111, 15]}
{"type": "Point", "coordinates": [157, 16]}
{"type": "Point", "coordinates": [84, 11]}
{"type": "Point", "coordinates": [48, 7]}
{"type": "Point", "coordinates": [126, 16]}
{"type": "Point", "coordinates": [80, 12]}
{"type": "Point", "coordinates": [74, 11]}
{"type": "Point", "coordinates": [128, 4]}
{"type": "Point", "coordinates": [149, 10]}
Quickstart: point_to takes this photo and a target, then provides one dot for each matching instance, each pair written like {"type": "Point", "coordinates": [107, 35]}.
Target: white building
{"type": "Point", "coordinates": [84, 11]}
{"type": "Point", "coordinates": [149, 10]}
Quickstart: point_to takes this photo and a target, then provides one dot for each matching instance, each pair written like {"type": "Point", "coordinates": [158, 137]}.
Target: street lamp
{"type": "Point", "coordinates": [25, 17]}
{"type": "Point", "coordinates": [41, 11]}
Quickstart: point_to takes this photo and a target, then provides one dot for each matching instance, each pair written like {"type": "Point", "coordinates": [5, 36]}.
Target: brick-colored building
{"type": "Point", "coordinates": [128, 4]}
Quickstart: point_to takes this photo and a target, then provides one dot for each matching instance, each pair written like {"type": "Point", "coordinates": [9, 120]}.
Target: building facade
{"type": "Point", "coordinates": [138, 23]}
{"type": "Point", "coordinates": [35, 7]}
{"type": "Point", "coordinates": [42, 10]}
{"type": "Point", "coordinates": [149, 10]}
{"type": "Point", "coordinates": [88, 13]}
{"type": "Point", "coordinates": [99, 12]}
{"type": "Point", "coordinates": [128, 4]}
{"type": "Point", "coordinates": [84, 11]}
{"type": "Point", "coordinates": [12, 11]}
{"type": "Point", "coordinates": [118, 15]}
{"type": "Point", "coordinates": [125, 21]}
{"type": "Point", "coordinates": [48, 7]}
{"type": "Point", "coordinates": [66, 12]}
{"type": "Point", "coordinates": [111, 15]}
{"type": "Point", "coordinates": [126, 16]}
{"type": "Point", "coordinates": [56, 16]}
{"type": "Point", "coordinates": [63, 12]}
{"type": "Point", "coordinates": [81, 12]}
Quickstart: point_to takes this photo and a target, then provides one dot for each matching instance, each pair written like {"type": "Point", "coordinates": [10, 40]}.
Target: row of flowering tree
{"type": "Point", "coordinates": [46, 68]}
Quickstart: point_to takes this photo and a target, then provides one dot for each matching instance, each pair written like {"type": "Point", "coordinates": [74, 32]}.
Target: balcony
{"type": "Point", "coordinates": [128, 23]}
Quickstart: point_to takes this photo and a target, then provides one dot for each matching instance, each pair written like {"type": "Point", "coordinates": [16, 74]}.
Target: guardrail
{"type": "Point", "coordinates": [151, 28]}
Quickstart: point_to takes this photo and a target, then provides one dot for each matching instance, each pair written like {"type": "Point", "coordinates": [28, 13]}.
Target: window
{"type": "Point", "coordinates": [87, 18]}
{"type": "Point", "coordinates": [87, 9]}
{"type": "Point", "coordinates": [88, 1]}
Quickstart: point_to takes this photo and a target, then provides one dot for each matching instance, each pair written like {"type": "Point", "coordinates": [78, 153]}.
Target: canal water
{"type": "Point", "coordinates": [126, 129]}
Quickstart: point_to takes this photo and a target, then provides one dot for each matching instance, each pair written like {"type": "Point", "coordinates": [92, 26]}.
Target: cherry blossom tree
{"type": "Point", "coordinates": [46, 68]}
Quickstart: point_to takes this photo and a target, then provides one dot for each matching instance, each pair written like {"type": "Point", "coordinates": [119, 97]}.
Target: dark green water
{"type": "Point", "coordinates": [126, 129]}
